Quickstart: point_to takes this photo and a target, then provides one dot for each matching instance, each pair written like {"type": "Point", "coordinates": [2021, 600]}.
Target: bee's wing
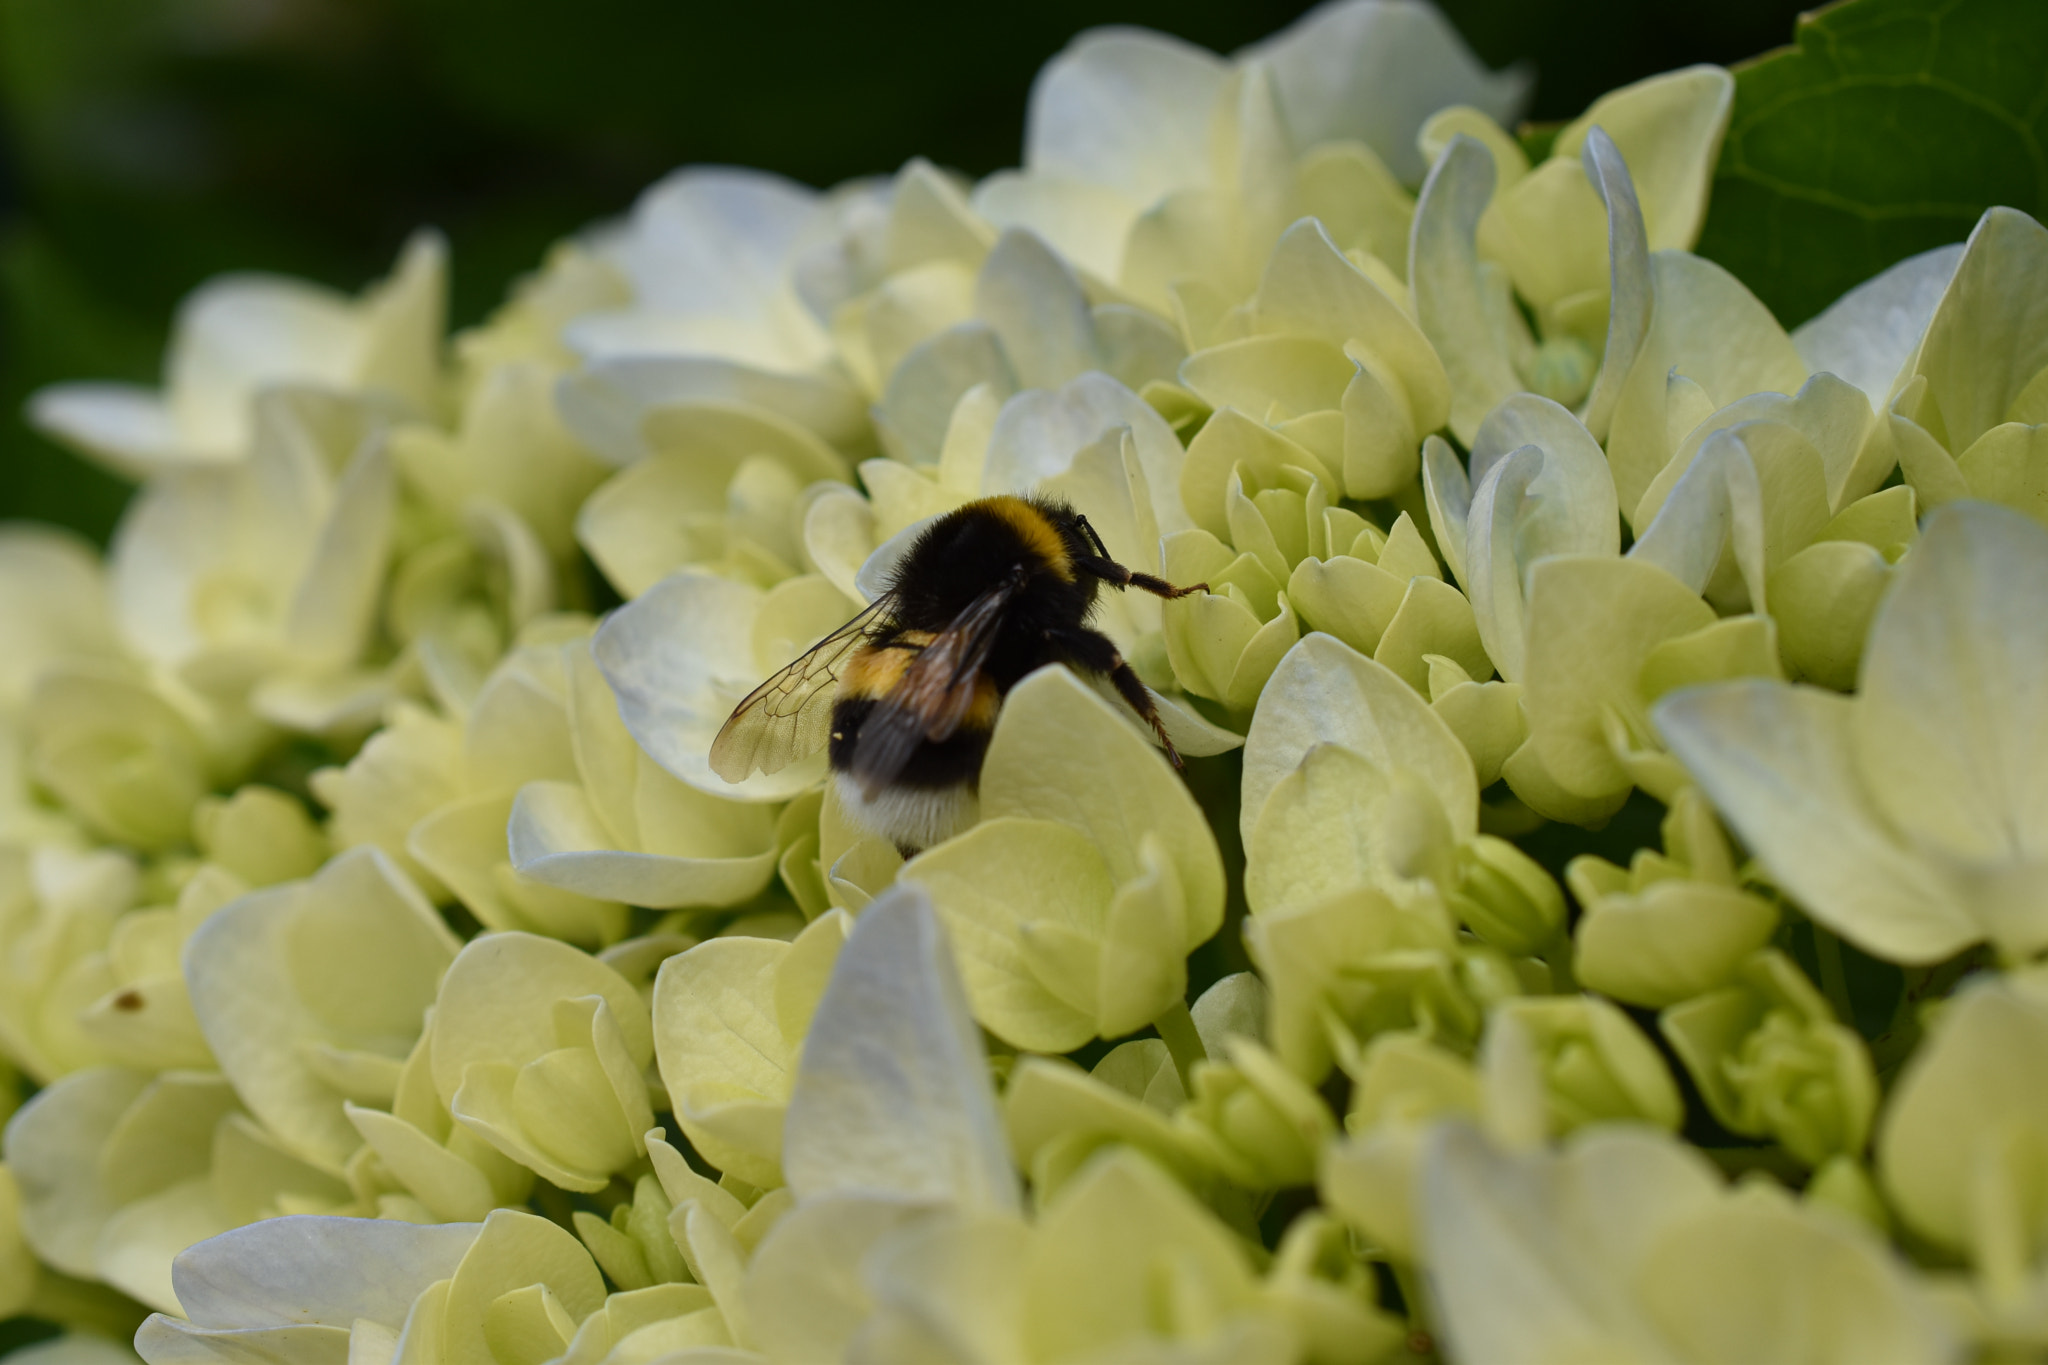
{"type": "Point", "coordinates": [790, 715]}
{"type": "Point", "coordinates": [934, 693]}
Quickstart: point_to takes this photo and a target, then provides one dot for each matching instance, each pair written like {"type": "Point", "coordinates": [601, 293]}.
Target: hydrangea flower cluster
{"type": "Point", "coordinates": [392, 981]}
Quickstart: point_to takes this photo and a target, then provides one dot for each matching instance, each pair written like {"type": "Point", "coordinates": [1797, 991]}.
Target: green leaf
{"type": "Point", "coordinates": [1887, 130]}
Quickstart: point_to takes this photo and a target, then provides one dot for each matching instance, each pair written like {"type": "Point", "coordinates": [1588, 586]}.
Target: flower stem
{"type": "Point", "coordinates": [1557, 956]}
{"type": "Point", "coordinates": [1834, 979]}
{"type": "Point", "coordinates": [1177, 1028]}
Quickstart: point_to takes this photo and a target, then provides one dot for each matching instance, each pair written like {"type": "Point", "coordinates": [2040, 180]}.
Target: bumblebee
{"type": "Point", "coordinates": [904, 696]}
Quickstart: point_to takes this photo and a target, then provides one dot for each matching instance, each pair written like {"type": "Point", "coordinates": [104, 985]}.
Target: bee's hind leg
{"type": "Point", "coordinates": [1097, 652]}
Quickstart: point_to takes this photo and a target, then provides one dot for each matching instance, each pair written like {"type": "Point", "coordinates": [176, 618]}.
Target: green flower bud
{"type": "Point", "coordinates": [418, 1163]}
{"type": "Point", "coordinates": [1824, 598]}
{"type": "Point", "coordinates": [1772, 1061]}
{"type": "Point", "coordinates": [1385, 596]}
{"type": "Point", "coordinates": [1355, 966]}
{"type": "Point", "coordinates": [722, 491]}
{"type": "Point", "coordinates": [260, 835]}
{"type": "Point", "coordinates": [1504, 896]}
{"type": "Point", "coordinates": [1321, 1286]}
{"type": "Point", "coordinates": [145, 1018]}
{"type": "Point", "coordinates": [1670, 926]}
{"type": "Point", "coordinates": [1592, 1063]}
{"type": "Point", "coordinates": [1260, 1124]}
{"type": "Point", "coordinates": [1563, 369]}
{"type": "Point", "coordinates": [1487, 717]}
{"type": "Point", "coordinates": [1334, 362]}
{"type": "Point", "coordinates": [1057, 1116]}
{"type": "Point", "coordinates": [634, 1246]}
{"type": "Point", "coordinates": [1224, 643]}
{"type": "Point", "coordinates": [1843, 1183]}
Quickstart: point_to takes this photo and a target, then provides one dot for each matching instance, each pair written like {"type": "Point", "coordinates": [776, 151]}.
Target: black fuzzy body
{"type": "Point", "coordinates": [958, 558]}
{"type": "Point", "coordinates": [962, 555]}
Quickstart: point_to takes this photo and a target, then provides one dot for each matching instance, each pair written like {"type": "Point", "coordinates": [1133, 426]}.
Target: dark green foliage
{"type": "Point", "coordinates": [145, 146]}
{"type": "Point", "coordinates": [1887, 130]}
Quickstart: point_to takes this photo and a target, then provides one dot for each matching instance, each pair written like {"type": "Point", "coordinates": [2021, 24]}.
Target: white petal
{"type": "Point", "coordinates": [1777, 763]}
{"type": "Point", "coordinates": [1062, 752]}
{"type": "Point", "coordinates": [126, 426]}
{"type": "Point", "coordinates": [1127, 109]}
{"type": "Point", "coordinates": [1989, 334]}
{"type": "Point", "coordinates": [64, 1200]}
{"type": "Point", "coordinates": [1531, 1253]}
{"type": "Point", "coordinates": [74, 1348]}
{"type": "Point", "coordinates": [1325, 692]}
{"type": "Point", "coordinates": [892, 1094]}
{"type": "Point", "coordinates": [918, 403]}
{"type": "Point", "coordinates": [163, 1340]}
{"type": "Point", "coordinates": [334, 605]}
{"type": "Point", "coordinates": [1669, 126]}
{"type": "Point", "coordinates": [1039, 433]}
{"type": "Point", "coordinates": [348, 959]}
{"type": "Point", "coordinates": [555, 838]}
{"type": "Point", "coordinates": [679, 658]}
{"type": "Point", "coordinates": [309, 1269]}
{"type": "Point", "coordinates": [1374, 71]}
{"type": "Point", "coordinates": [1543, 488]}
{"type": "Point", "coordinates": [1709, 327]}
{"type": "Point", "coordinates": [1576, 512]}
{"type": "Point", "coordinates": [606, 404]}
{"type": "Point", "coordinates": [1447, 490]}
{"type": "Point", "coordinates": [806, 1298]}
{"type": "Point", "coordinates": [713, 239]}
{"type": "Point", "coordinates": [238, 333]}
{"type": "Point", "coordinates": [144, 1236]}
{"type": "Point", "coordinates": [1087, 223]}
{"type": "Point", "coordinates": [1952, 728]}
{"type": "Point", "coordinates": [1493, 577]}
{"type": "Point", "coordinates": [1717, 499]}
{"type": "Point", "coordinates": [1450, 300]}
{"type": "Point", "coordinates": [53, 604]}
{"type": "Point", "coordinates": [1030, 296]}
{"type": "Point", "coordinates": [1867, 335]}
{"type": "Point", "coordinates": [1628, 257]}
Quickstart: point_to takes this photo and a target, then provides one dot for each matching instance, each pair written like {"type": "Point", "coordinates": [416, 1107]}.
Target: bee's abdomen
{"type": "Point", "coordinates": [955, 761]}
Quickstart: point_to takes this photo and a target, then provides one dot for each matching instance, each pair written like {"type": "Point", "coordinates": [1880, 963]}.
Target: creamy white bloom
{"type": "Point", "coordinates": [1122, 122]}
{"type": "Point", "coordinates": [239, 335]}
{"type": "Point", "coordinates": [1909, 818]}
{"type": "Point", "coordinates": [708, 253]}
{"type": "Point", "coordinates": [269, 567]}
{"type": "Point", "coordinates": [1626, 1246]}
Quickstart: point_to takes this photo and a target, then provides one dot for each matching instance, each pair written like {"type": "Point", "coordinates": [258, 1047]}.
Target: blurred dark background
{"type": "Point", "coordinates": [147, 144]}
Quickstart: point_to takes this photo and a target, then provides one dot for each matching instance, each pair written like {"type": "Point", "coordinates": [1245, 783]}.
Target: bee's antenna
{"type": "Point", "coordinates": [1093, 538]}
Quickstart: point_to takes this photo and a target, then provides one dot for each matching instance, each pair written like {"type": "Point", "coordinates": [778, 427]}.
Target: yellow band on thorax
{"type": "Point", "coordinates": [1036, 531]}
